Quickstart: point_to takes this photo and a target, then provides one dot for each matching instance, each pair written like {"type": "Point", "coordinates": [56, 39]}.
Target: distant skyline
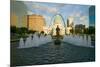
{"type": "Point", "coordinates": [80, 13]}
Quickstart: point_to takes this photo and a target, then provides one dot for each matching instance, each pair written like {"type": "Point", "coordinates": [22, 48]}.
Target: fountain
{"type": "Point", "coordinates": [78, 40]}
{"type": "Point", "coordinates": [89, 40]}
{"type": "Point", "coordinates": [34, 41]}
{"type": "Point", "coordinates": [21, 43]}
{"type": "Point", "coordinates": [43, 39]}
{"type": "Point", "coordinates": [48, 38]}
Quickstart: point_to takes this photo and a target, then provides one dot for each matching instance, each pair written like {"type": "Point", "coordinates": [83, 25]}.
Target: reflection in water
{"type": "Point", "coordinates": [57, 42]}
{"type": "Point", "coordinates": [51, 53]}
{"type": "Point", "coordinates": [56, 51]}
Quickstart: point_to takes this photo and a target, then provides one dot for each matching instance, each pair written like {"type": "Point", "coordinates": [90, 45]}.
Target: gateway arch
{"type": "Point", "coordinates": [57, 20]}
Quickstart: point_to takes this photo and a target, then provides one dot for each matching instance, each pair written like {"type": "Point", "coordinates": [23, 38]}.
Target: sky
{"type": "Point", "coordinates": [80, 13]}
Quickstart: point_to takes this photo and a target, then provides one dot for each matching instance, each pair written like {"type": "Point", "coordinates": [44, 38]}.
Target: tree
{"type": "Point", "coordinates": [13, 29]}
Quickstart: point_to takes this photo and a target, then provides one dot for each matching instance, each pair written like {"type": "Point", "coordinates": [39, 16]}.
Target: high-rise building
{"type": "Point", "coordinates": [70, 22]}
{"type": "Point", "coordinates": [69, 25]}
{"type": "Point", "coordinates": [79, 28]}
{"type": "Point", "coordinates": [35, 22]}
{"type": "Point", "coordinates": [92, 16]}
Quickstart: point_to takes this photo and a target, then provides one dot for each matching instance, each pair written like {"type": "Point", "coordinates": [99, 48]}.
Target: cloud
{"type": "Point", "coordinates": [44, 8]}
{"type": "Point", "coordinates": [83, 18]}
{"type": "Point", "coordinates": [71, 18]}
{"type": "Point", "coordinates": [47, 19]}
{"type": "Point", "coordinates": [80, 19]}
{"type": "Point", "coordinates": [29, 12]}
{"type": "Point", "coordinates": [76, 14]}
